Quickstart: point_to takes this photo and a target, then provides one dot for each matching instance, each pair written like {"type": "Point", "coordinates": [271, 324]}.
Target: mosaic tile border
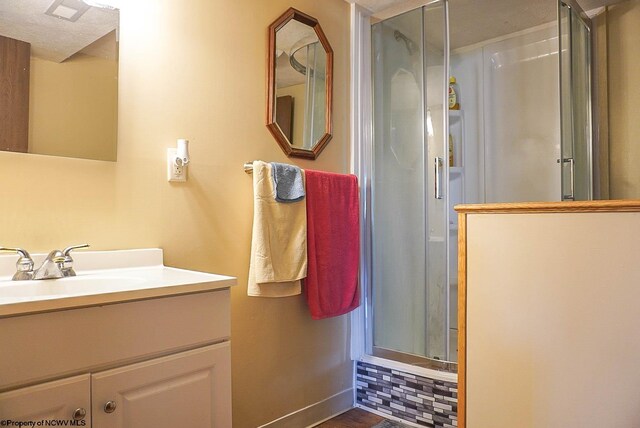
{"type": "Point", "coordinates": [423, 401]}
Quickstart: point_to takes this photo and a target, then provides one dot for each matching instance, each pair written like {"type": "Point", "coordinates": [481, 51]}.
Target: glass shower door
{"type": "Point", "coordinates": [575, 75]}
{"type": "Point", "coordinates": [436, 66]}
{"type": "Point", "coordinates": [409, 225]}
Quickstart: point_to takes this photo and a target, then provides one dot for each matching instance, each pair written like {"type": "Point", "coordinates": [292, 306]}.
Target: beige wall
{"type": "Point", "coordinates": [73, 107]}
{"type": "Point", "coordinates": [624, 98]}
{"type": "Point", "coordinates": [552, 320]}
{"type": "Point", "coordinates": [197, 72]}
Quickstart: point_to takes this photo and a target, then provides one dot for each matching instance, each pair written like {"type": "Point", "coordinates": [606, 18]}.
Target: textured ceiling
{"type": "Point", "coordinates": [473, 21]}
{"type": "Point", "coordinates": [52, 38]}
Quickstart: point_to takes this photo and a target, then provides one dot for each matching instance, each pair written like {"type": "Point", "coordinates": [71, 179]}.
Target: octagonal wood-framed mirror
{"type": "Point", "coordinates": [299, 85]}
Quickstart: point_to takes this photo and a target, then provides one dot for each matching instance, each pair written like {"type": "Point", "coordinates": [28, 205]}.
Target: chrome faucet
{"type": "Point", "coordinates": [24, 265]}
{"type": "Point", "coordinates": [58, 264]}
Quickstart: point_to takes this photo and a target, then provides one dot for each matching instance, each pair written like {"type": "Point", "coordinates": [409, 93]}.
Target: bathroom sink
{"type": "Point", "coordinates": [73, 286]}
{"type": "Point", "coordinates": [103, 277]}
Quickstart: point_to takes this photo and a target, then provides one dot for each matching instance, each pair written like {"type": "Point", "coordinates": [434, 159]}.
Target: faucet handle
{"type": "Point", "coordinates": [20, 251]}
{"type": "Point", "coordinates": [66, 265]}
{"type": "Point", "coordinates": [24, 265]}
{"type": "Point", "coordinates": [67, 250]}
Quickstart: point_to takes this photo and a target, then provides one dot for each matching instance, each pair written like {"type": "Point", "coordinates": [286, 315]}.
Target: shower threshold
{"type": "Point", "coordinates": [415, 360]}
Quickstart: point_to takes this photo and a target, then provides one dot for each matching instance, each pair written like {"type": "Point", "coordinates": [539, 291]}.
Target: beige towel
{"type": "Point", "coordinates": [279, 242]}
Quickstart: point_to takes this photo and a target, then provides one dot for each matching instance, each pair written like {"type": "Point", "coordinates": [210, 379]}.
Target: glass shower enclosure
{"type": "Point", "coordinates": [575, 101]}
{"type": "Point", "coordinates": [410, 226]}
{"type": "Point", "coordinates": [415, 177]}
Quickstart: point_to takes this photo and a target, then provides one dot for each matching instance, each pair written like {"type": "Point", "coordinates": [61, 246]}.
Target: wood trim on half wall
{"type": "Point", "coordinates": [632, 205]}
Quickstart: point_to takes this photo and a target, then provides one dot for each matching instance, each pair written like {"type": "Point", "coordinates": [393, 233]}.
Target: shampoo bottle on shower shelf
{"type": "Point", "coordinates": [454, 94]}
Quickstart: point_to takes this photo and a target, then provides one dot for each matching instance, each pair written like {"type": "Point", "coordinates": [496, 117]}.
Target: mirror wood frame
{"type": "Point", "coordinates": [283, 142]}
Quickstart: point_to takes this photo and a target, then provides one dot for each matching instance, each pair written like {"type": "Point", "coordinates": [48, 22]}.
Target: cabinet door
{"type": "Point", "coordinates": [14, 87]}
{"type": "Point", "coordinates": [189, 389]}
{"type": "Point", "coordinates": [60, 400]}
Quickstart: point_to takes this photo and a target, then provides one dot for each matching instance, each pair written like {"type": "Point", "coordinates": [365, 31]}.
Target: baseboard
{"type": "Point", "coordinates": [315, 413]}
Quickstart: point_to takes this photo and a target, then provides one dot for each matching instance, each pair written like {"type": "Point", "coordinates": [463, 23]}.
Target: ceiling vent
{"type": "Point", "coordinates": [69, 10]}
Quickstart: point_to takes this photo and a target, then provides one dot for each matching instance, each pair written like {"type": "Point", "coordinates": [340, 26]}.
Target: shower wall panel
{"type": "Point", "coordinates": [522, 118]}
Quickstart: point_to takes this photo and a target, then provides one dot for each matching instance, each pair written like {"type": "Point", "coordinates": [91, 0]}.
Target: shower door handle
{"type": "Point", "coordinates": [438, 162]}
{"type": "Point", "coordinates": [572, 169]}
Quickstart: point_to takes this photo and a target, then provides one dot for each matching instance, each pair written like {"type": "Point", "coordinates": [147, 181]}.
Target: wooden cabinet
{"type": "Point", "coordinates": [57, 400]}
{"type": "Point", "coordinates": [15, 58]}
{"type": "Point", "coordinates": [190, 389]}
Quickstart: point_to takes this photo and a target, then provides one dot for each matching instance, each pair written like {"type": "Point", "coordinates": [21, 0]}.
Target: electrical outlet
{"type": "Point", "coordinates": [175, 172]}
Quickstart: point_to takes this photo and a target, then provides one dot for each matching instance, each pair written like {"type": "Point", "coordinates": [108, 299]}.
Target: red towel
{"type": "Point", "coordinates": [333, 243]}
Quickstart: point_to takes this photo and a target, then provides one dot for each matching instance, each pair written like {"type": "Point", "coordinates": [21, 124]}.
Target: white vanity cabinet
{"type": "Point", "coordinates": [185, 389]}
{"type": "Point", "coordinates": [159, 362]}
{"type": "Point", "coordinates": [67, 399]}
{"type": "Point", "coordinates": [190, 389]}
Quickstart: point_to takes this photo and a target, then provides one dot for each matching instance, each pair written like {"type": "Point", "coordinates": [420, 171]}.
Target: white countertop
{"type": "Point", "coordinates": [103, 277]}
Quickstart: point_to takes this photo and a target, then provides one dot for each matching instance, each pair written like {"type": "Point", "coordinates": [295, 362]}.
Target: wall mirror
{"type": "Point", "coordinates": [300, 75]}
{"type": "Point", "coordinates": [58, 78]}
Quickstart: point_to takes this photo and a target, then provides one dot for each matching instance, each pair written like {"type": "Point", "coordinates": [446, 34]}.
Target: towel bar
{"type": "Point", "coordinates": [248, 167]}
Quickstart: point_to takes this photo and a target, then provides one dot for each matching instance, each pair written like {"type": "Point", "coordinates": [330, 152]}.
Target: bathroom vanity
{"type": "Point", "coordinates": [127, 342]}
